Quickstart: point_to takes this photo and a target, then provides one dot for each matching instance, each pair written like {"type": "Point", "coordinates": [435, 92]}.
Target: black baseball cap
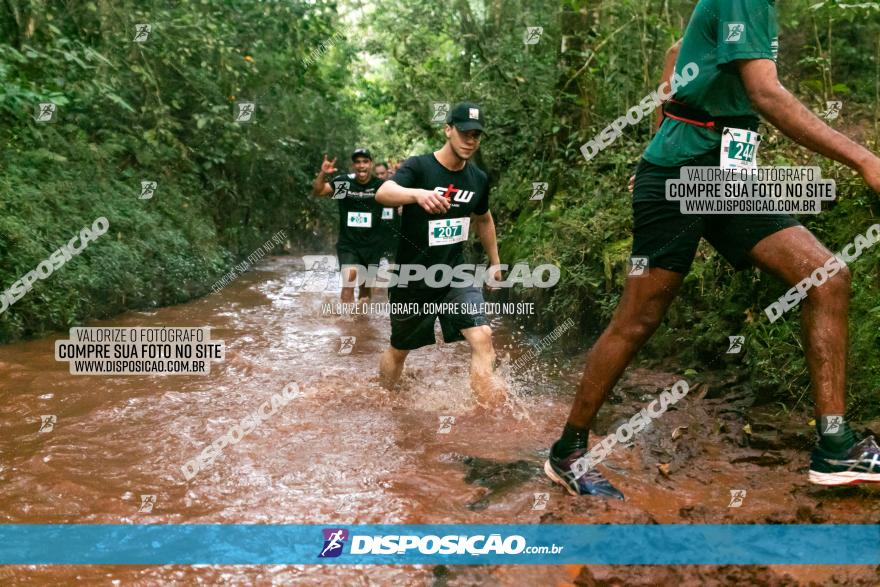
{"type": "Point", "coordinates": [361, 153]}
{"type": "Point", "coordinates": [466, 116]}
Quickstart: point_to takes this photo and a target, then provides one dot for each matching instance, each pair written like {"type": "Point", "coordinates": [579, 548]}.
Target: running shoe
{"type": "Point", "coordinates": [590, 483]}
{"type": "Point", "coordinates": [859, 464]}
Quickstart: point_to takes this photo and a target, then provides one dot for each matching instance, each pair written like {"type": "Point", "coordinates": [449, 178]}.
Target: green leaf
{"type": "Point", "coordinates": [91, 54]}
{"type": "Point", "coordinates": [813, 84]}
{"type": "Point", "coordinates": [59, 99]}
{"type": "Point", "coordinates": [118, 100]}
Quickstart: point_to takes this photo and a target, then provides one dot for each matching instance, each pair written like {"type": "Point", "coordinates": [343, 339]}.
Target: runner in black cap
{"type": "Point", "coordinates": [444, 197]}
{"type": "Point", "coordinates": [360, 217]}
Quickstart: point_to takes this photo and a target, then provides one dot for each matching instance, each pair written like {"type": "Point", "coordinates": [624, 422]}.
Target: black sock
{"type": "Point", "coordinates": [834, 432]}
{"type": "Point", "coordinates": [572, 439]}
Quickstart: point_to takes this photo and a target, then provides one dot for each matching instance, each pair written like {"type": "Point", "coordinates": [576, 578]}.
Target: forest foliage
{"type": "Point", "coordinates": [329, 76]}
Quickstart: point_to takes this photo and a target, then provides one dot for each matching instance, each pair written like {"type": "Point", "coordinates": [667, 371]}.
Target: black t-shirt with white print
{"type": "Point", "coordinates": [360, 216]}
{"type": "Point", "coordinates": [431, 239]}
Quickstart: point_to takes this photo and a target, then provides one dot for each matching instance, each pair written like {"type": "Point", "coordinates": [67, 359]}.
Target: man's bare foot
{"type": "Point", "coordinates": [391, 367]}
{"type": "Point", "coordinates": [490, 391]}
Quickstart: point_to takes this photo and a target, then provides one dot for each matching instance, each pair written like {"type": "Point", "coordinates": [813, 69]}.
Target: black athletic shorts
{"type": "Point", "coordinates": [414, 312]}
{"type": "Point", "coordinates": [358, 255]}
{"type": "Point", "coordinates": [669, 238]}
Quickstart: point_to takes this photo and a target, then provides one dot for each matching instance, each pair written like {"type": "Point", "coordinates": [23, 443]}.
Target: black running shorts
{"type": "Point", "coordinates": [414, 312]}
{"type": "Point", "coordinates": [359, 255]}
{"type": "Point", "coordinates": [669, 238]}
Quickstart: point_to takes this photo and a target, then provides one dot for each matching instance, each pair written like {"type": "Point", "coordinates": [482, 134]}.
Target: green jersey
{"type": "Point", "coordinates": [719, 33]}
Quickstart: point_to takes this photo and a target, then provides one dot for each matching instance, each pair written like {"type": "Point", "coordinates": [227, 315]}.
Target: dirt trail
{"type": "Point", "coordinates": [349, 452]}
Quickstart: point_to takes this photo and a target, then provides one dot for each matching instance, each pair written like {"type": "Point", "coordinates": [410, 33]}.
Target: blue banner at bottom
{"type": "Point", "coordinates": [230, 544]}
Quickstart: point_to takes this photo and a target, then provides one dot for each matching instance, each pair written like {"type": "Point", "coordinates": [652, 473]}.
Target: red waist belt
{"type": "Point", "coordinates": [698, 117]}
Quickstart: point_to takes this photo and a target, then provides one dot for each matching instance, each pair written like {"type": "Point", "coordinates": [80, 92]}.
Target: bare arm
{"type": "Point", "coordinates": [484, 225]}
{"type": "Point", "coordinates": [786, 113]}
{"type": "Point", "coordinates": [392, 194]}
{"type": "Point", "coordinates": [321, 187]}
{"type": "Point", "coordinates": [668, 70]}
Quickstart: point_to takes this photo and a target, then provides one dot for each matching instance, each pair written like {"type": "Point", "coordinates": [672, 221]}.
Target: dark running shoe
{"type": "Point", "coordinates": [860, 464]}
{"type": "Point", "coordinates": [590, 483]}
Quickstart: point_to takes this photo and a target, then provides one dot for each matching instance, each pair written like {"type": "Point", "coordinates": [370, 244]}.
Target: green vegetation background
{"type": "Point", "coordinates": [327, 76]}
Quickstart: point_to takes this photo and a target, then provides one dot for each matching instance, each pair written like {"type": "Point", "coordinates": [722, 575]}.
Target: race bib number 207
{"type": "Point", "coordinates": [448, 231]}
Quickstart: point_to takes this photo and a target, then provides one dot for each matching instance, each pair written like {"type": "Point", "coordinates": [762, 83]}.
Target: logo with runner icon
{"type": "Point", "coordinates": [539, 190]}
{"type": "Point", "coordinates": [319, 274]}
{"type": "Point", "coordinates": [737, 496]}
{"type": "Point", "coordinates": [346, 345]}
{"type": "Point", "coordinates": [142, 32]}
{"type": "Point", "coordinates": [148, 189]}
{"type": "Point", "coordinates": [541, 501]}
{"type": "Point", "coordinates": [638, 266]}
{"type": "Point", "coordinates": [147, 503]}
{"type": "Point", "coordinates": [45, 112]}
{"type": "Point", "coordinates": [736, 344]}
{"type": "Point", "coordinates": [832, 424]}
{"type": "Point", "coordinates": [244, 111]}
{"type": "Point", "coordinates": [439, 111]}
{"type": "Point", "coordinates": [533, 35]}
{"type": "Point", "coordinates": [446, 423]}
{"type": "Point", "coordinates": [735, 32]}
{"type": "Point", "coordinates": [334, 541]}
{"type": "Point", "coordinates": [47, 423]}
{"type": "Point", "coordinates": [340, 190]}
{"type": "Point", "coordinates": [346, 504]}
{"type": "Point", "coordinates": [832, 109]}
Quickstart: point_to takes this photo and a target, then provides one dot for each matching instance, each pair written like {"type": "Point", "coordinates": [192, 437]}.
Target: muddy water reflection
{"type": "Point", "coordinates": [346, 451]}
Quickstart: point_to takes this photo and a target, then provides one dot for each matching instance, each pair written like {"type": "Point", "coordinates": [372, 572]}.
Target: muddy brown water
{"type": "Point", "coordinates": [349, 452]}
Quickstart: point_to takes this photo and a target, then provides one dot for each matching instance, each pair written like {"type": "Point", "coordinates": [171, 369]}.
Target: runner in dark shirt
{"type": "Point", "coordinates": [390, 218]}
{"type": "Point", "coordinates": [444, 198]}
{"type": "Point", "coordinates": [361, 234]}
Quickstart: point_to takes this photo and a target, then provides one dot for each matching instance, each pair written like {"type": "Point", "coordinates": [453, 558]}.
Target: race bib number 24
{"type": "Point", "coordinates": [739, 149]}
{"type": "Point", "coordinates": [448, 231]}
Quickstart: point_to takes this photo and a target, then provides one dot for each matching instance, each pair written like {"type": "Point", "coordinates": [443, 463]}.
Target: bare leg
{"type": "Point", "coordinates": [489, 389]}
{"type": "Point", "coordinates": [391, 366]}
{"type": "Point", "coordinates": [641, 309]}
{"type": "Point", "coordinates": [349, 277]}
{"type": "Point", "coordinates": [793, 254]}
